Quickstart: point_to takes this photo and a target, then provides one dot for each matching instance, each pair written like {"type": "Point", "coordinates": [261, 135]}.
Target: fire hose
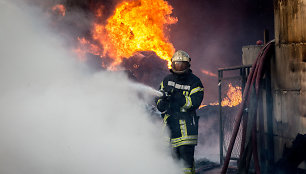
{"type": "Point", "coordinates": [248, 94]}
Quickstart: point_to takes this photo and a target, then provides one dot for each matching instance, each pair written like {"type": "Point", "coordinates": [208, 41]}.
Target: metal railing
{"type": "Point", "coordinates": [241, 77]}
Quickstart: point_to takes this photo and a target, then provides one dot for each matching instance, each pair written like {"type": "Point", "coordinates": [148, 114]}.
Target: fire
{"type": "Point", "coordinates": [59, 9]}
{"type": "Point", "coordinates": [86, 46]}
{"type": "Point", "coordinates": [202, 106]}
{"type": "Point", "coordinates": [208, 73]}
{"type": "Point", "coordinates": [233, 97]}
{"type": "Point", "coordinates": [137, 25]}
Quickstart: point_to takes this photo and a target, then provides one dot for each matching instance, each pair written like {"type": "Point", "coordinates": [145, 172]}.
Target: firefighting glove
{"type": "Point", "coordinates": [163, 101]}
{"type": "Point", "coordinates": [167, 94]}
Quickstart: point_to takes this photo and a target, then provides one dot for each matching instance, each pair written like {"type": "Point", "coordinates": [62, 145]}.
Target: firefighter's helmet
{"type": "Point", "coordinates": [180, 62]}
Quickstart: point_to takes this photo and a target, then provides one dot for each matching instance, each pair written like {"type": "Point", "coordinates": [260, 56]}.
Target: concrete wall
{"type": "Point", "coordinates": [289, 72]}
{"type": "Point", "coordinates": [250, 53]}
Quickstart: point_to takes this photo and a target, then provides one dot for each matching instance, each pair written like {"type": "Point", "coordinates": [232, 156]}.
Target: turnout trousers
{"type": "Point", "coordinates": [186, 153]}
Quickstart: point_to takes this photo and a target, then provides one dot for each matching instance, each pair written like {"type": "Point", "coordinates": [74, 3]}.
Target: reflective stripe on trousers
{"type": "Point", "coordinates": [185, 139]}
{"type": "Point", "coordinates": [189, 171]}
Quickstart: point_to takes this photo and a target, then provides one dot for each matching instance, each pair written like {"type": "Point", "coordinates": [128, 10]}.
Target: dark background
{"type": "Point", "coordinates": [214, 31]}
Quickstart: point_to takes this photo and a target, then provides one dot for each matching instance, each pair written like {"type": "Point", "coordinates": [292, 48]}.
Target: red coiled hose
{"type": "Point", "coordinates": [254, 77]}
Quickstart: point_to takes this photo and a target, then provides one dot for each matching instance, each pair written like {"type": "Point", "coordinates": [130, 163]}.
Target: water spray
{"type": "Point", "coordinates": [146, 89]}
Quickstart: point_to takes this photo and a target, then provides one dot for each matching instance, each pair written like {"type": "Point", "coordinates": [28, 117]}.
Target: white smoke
{"type": "Point", "coordinates": [57, 117]}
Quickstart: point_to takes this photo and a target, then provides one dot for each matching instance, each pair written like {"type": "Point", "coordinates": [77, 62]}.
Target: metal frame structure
{"type": "Point", "coordinates": [244, 72]}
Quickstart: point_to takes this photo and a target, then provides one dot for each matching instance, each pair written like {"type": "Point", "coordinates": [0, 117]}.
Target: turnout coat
{"type": "Point", "coordinates": [179, 109]}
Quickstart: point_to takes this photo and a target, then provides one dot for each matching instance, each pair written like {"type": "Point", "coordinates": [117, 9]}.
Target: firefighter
{"type": "Point", "coordinates": [182, 95]}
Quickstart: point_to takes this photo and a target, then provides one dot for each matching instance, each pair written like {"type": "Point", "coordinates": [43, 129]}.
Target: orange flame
{"type": "Point", "coordinates": [208, 73]}
{"type": "Point", "coordinates": [59, 9]}
{"type": "Point", "coordinates": [86, 46]}
{"type": "Point", "coordinates": [202, 106]}
{"type": "Point", "coordinates": [233, 97]}
{"type": "Point", "coordinates": [137, 25]}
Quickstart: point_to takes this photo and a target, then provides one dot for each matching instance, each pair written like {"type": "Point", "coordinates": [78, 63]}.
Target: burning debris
{"type": "Point", "coordinates": [86, 24]}
{"type": "Point", "coordinates": [131, 36]}
{"type": "Point", "coordinates": [135, 26]}
{"type": "Point", "coordinates": [147, 67]}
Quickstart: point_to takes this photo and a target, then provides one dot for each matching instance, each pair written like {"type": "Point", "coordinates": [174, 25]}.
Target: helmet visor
{"type": "Point", "coordinates": [180, 65]}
